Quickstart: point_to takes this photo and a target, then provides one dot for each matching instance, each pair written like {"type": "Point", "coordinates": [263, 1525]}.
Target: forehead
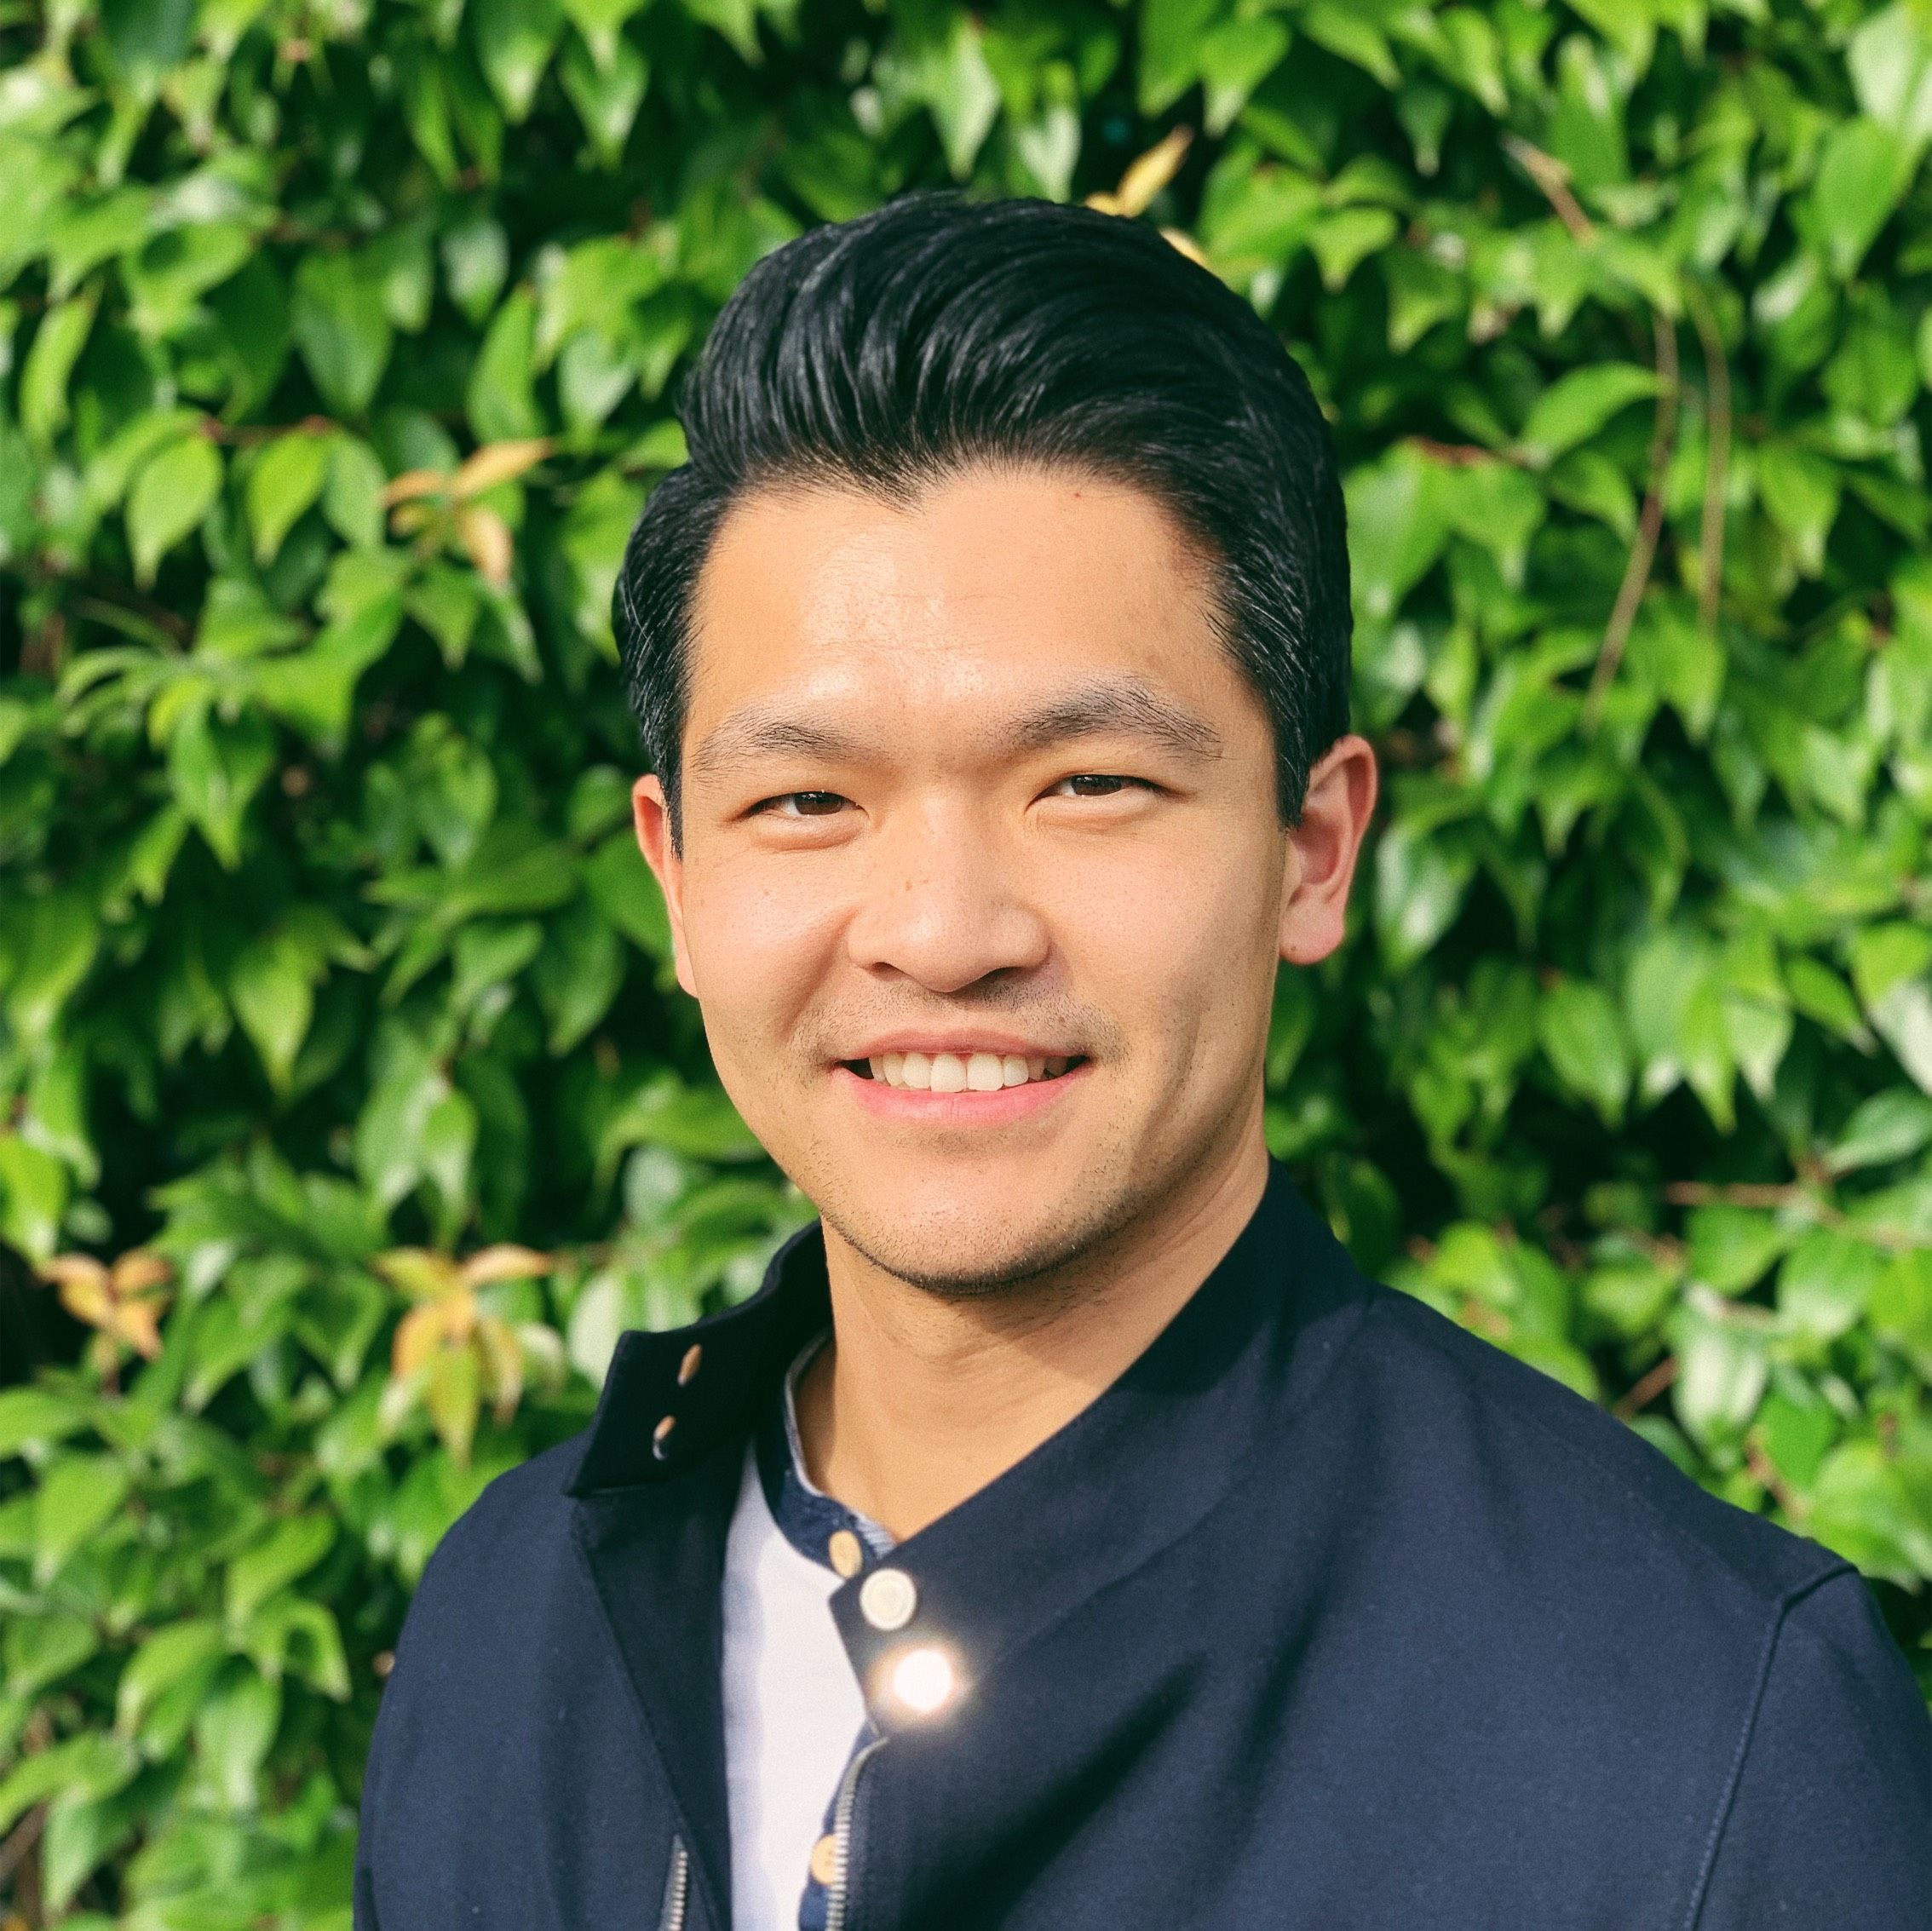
{"type": "Point", "coordinates": [995, 584]}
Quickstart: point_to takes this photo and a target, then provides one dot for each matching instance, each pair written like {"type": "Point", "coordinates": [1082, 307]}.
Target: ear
{"type": "Point", "coordinates": [1322, 850]}
{"type": "Point", "coordinates": [651, 814]}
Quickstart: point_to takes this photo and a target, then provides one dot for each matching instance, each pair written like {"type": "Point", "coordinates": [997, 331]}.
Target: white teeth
{"type": "Point", "coordinates": [979, 1071]}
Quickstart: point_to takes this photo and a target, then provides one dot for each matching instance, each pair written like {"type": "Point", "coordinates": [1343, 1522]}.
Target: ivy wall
{"type": "Point", "coordinates": [348, 1109]}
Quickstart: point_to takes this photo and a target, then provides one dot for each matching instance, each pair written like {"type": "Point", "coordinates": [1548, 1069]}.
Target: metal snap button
{"type": "Point", "coordinates": [845, 1554]}
{"type": "Point", "coordinates": [688, 1366]}
{"type": "Point", "coordinates": [887, 1599]}
{"type": "Point", "coordinates": [660, 1436]}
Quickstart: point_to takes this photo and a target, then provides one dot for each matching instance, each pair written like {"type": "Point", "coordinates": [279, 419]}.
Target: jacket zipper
{"type": "Point", "coordinates": [836, 1891]}
{"type": "Point", "coordinates": [677, 1887]}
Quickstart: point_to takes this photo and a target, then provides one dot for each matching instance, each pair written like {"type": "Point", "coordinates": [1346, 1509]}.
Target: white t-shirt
{"type": "Point", "coordinates": [792, 1711]}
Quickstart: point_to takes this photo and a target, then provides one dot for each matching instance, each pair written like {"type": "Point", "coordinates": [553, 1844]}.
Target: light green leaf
{"type": "Point", "coordinates": [1578, 406]}
{"type": "Point", "coordinates": [173, 492]}
{"type": "Point", "coordinates": [286, 478]}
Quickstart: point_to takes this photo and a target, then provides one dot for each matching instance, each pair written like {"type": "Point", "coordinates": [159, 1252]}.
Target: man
{"type": "Point", "coordinates": [1068, 1536]}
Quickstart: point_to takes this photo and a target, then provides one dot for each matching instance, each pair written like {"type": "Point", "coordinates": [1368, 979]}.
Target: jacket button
{"type": "Point", "coordinates": [847, 1556]}
{"type": "Point", "coordinates": [688, 1366]}
{"type": "Point", "coordinates": [660, 1436]}
{"type": "Point", "coordinates": [887, 1599]}
{"type": "Point", "coordinates": [824, 1859]}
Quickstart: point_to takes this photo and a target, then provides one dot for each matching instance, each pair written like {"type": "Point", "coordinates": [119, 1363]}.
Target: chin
{"type": "Point", "coordinates": [959, 1240]}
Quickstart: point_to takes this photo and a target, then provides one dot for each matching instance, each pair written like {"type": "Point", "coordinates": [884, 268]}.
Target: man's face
{"type": "Point", "coordinates": [981, 884]}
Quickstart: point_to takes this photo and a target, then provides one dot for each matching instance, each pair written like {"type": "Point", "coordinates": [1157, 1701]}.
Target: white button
{"type": "Point", "coordinates": [887, 1599]}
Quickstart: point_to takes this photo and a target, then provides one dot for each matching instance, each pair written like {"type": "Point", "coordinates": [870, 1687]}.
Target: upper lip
{"type": "Point", "coordinates": [1004, 1043]}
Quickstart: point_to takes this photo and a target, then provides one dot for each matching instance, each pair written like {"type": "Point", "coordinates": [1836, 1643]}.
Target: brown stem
{"type": "Point", "coordinates": [1643, 1392]}
{"type": "Point", "coordinates": [1554, 179]}
{"type": "Point", "coordinates": [1650, 525]}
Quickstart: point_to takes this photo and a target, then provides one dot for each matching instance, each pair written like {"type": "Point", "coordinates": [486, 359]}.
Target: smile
{"type": "Point", "coordinates": [961, 1072]}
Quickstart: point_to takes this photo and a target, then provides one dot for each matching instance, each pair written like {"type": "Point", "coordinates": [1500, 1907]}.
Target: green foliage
{"type": "Point", "coordinates": [334, 344]}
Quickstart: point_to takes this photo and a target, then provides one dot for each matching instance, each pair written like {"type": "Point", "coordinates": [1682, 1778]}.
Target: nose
{"type": "Point", "coordinates": [944, 903]}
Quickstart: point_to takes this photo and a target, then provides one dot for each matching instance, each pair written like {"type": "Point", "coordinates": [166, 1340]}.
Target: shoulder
{"type": "Point", "coordinates": [1525, 1453]}
{"type": "Point", "coordinates": [512, 1543]}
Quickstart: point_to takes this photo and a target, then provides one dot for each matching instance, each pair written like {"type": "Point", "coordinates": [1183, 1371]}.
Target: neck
{"type": "Point", "coordinates": [919, 1401]}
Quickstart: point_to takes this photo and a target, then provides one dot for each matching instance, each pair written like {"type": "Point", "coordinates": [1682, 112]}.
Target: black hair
{"type": "Point", "coordinates": [892, 351]}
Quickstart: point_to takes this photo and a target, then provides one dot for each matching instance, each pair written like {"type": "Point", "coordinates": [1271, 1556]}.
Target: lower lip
{"type": "Point", "coordinates": [926, 1108]}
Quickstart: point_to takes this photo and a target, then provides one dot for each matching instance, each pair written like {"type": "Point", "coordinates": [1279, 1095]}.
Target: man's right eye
{"type": "Point", "coordinates": [799, 804]}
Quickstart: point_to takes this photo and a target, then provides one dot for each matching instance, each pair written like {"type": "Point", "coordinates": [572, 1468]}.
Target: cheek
{"type": "Point", "coordinates": [758, 949]}
{"type": "Point", "coordinates": [1173, 925]}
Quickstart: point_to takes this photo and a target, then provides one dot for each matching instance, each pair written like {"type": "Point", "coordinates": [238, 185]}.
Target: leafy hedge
{"type": "Point", "coordinates": [347, 1098]}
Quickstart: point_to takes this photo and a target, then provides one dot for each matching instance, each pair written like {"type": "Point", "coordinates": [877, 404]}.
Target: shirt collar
{"type": "Point", "coordinates": [807, 1517]}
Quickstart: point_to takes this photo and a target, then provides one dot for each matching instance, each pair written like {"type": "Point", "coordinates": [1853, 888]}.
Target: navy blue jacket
{"type": "Point", "coordinates": [1327, 1614]}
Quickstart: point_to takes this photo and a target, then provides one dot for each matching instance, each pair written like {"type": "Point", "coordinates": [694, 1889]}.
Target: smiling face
{"type": "Point", "coordinates": [982, 888]}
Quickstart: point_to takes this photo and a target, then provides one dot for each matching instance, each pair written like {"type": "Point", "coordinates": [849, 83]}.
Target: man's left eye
{"type": "Point", "coordinates": [1097, 784]}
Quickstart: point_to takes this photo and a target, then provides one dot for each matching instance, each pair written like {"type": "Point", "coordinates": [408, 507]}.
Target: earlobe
{"type": "Point", "coordinates": [651, 816]}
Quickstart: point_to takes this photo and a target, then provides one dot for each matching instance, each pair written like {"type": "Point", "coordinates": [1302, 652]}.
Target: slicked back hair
{"type": "Point", "coordinates": [936, 334]}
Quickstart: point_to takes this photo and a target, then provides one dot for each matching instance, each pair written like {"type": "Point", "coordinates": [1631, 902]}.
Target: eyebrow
{"type": "Point", "coordinates": [1122, 706]}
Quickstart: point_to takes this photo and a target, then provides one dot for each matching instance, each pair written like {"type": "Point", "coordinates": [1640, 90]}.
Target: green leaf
{"type": "Point", "coordinates": [1800, 493]}
{"type": "Point", "coordinates": [1398, 522]}
{"type": "Point", "coordinates": [342, 330]}
{"type": "Point", "coordinates": [215, 770]}
{"type": "Point", "coordinates": [502, 403]}
{"type": "Point", "coordinates": [1171, 35]}
{"type": "Point", "coordinates": [1576, 406]}
{"type": "Point", "coordinates": [1862, 171]}
{"type": "Point", "coordinates": [36, 1418]}
{"type": "Point", "coordinates": [286, 478]}
{"type": "Point", "coordinates": [289, 1550]}
{"type": "Point", "coordinates": [76, 1497]}
{"type": "Point", "coordinates": [515, 40]}
{"type": "Point", "coordinates": [33, 1197]}
{"type": "Point", "coordinates": [1578, 1028]}
{"type": "Point", "coordinates": [173, 492]}
{"type": "Point", "coordinates": [234, 1730]}
{"type": "Point", "coordinates": [1826, 1283]}
{"type": "Point", "coordinates": [45, 377]}
{"type": "Point", "coordinates": [622, 888]}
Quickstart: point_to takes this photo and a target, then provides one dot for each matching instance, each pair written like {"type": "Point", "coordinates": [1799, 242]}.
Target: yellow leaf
{"type": "Point", "coordinates": [407, 518]}
{"type": "Point", "coordinates": [64, 1267]}
{"type": "Point", "coordinates": [1186, 243]}
{"type": "Point", "coordinates": [1145, 177]}
{"type": "Point", "coordinates": [420, 1274]}
{"type": "Point", "coordinates": [1108, 203]}
{"type": "Point", "coordinates": [140, 1269]}
{"type": "Point", "coordinates": [488, 539]}
{"type": "Point", "coordinates": [452, 1397]}
{"type": "Point", "coordinates": [413, 483]}
{"type": "Point", "coordinates": [498, 462]}
{"type": "Point", "coordinates": [503, 1364]}
{"type": "Point", "coordinates": [138, 1324]}
{"type": "Point", "coordinates": [417, 1336]}
{"type": "Point", "coordinates": [504, 1262]}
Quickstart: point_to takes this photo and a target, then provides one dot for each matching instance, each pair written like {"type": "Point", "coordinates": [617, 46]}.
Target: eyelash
{"type": "Point", "coordinates": [764, 805]}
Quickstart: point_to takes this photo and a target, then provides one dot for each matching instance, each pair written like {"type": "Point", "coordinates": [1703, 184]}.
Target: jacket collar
{"type": "Point", "coordinates": [1131, 1473]}
{"type": "Point", "coordinates": [673, 1396]}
